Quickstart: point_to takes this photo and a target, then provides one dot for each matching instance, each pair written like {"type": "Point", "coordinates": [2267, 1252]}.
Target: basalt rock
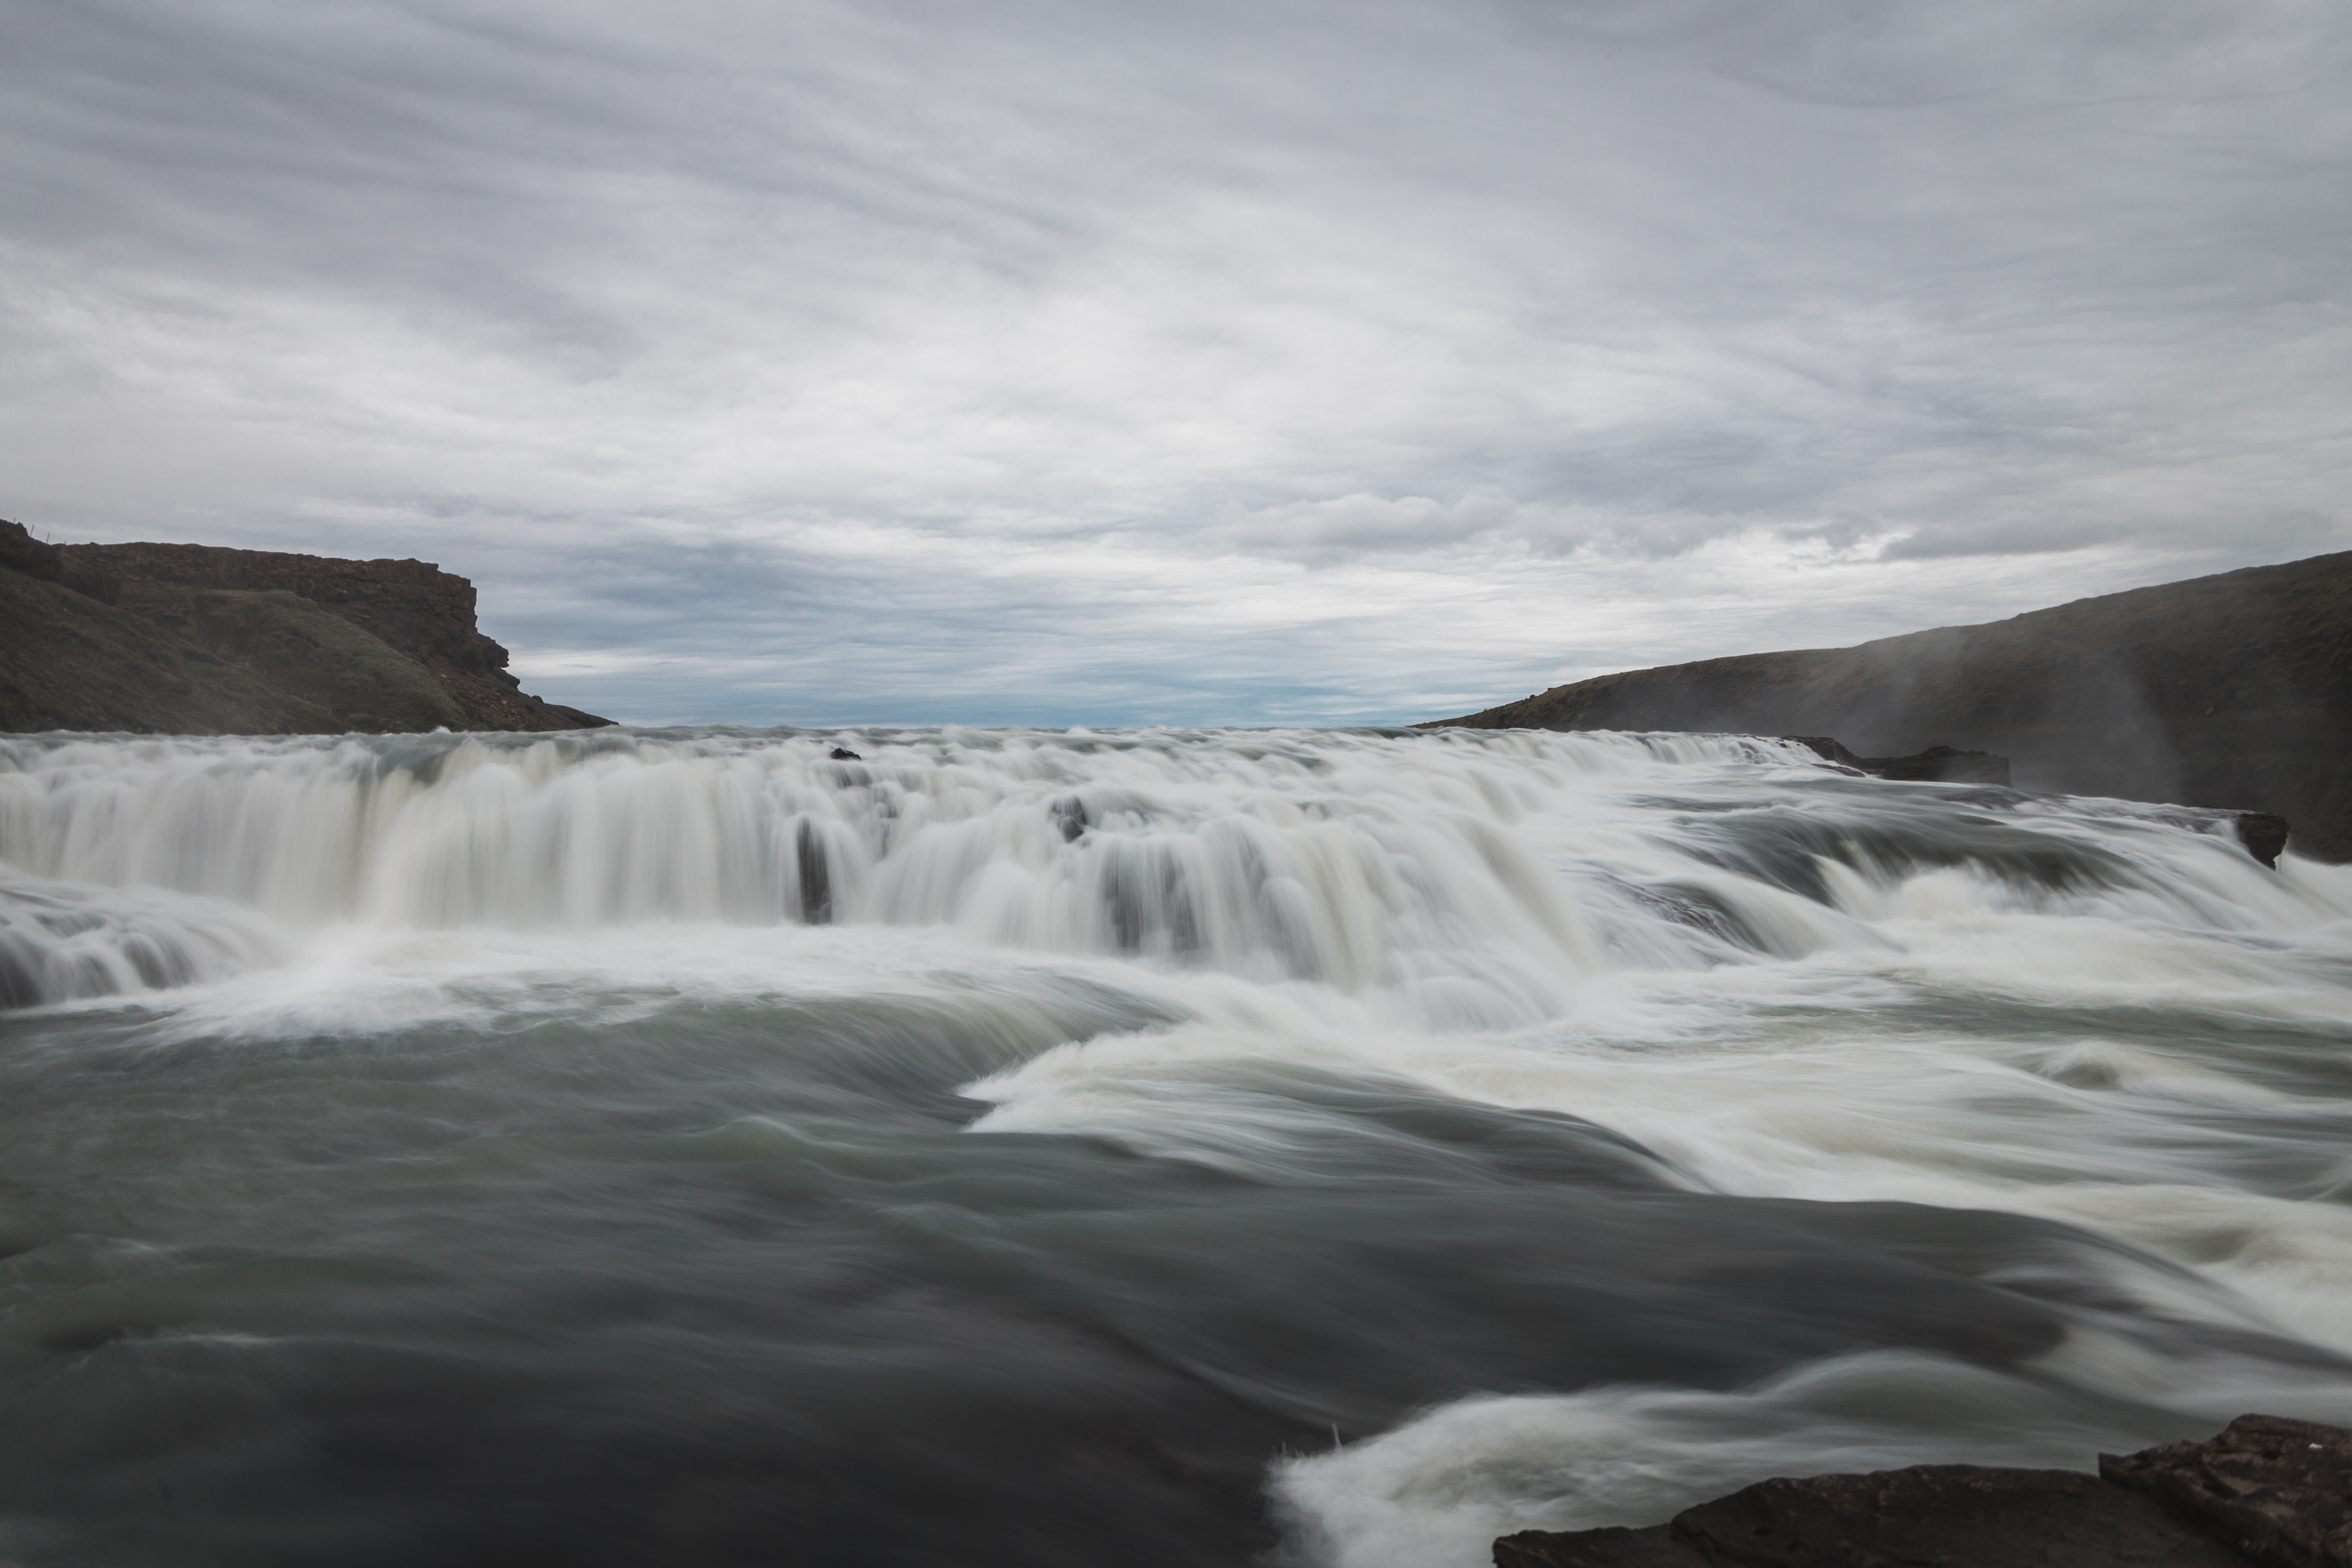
{"type": "Point", "coordinates": [2229, 691]}
{"type": "Point", "coordinates": [1942, 764]}
{"type": "Point", "coordinates": [2267, 1493]}
{"type": "Point", "coordinates": [2278, 1490]}
{"type": "Point", "coordinates": [2264, 833]}
{"type": "Point", "coordinates": [1936, 764]}
{"type": "Point", "coordinates": [1955, 1514]}
{"type": "Point", "coordinates": [189, 639]}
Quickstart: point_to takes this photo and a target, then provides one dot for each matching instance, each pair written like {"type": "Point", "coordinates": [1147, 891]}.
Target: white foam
{"type": "Point", "coordinates": [2095, 1013]}
{"type": "Point", "coordinates": [1435, 1492]}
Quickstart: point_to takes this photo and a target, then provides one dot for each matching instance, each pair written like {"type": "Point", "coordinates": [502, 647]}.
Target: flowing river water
{"type": "Point", "coordinates": [1153, 1147]}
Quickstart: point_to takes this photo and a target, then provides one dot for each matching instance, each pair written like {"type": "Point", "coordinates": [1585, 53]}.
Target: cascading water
{"type": "Point", "coordinates": [1165, 1146]}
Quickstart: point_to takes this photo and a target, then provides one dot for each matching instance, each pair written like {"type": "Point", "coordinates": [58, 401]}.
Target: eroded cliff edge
{"type": "Point", "coordinates": [2232, 691]}
{"type": "Point", "coordinates": [197, 639]}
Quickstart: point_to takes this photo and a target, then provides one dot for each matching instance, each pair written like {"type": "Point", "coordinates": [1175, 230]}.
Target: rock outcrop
{"type": "Point", "coordinates": [2232, 691]}
{"type": "Point", "coordinates": [2268, 1492]}
{"type": "Point", "coordinates": [2278, 1490]}
{"type": "Point", "coordinates": [1936, 764]}
{"type": "Point", "coordinates": [1957, 1514]}
{"type": "Point", "coordinates": [187, 639]}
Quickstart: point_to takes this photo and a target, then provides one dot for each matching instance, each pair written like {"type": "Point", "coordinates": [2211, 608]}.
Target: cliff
{"type": "Point", "coordinates": [2232, 691]}
{"type": "Point", "coordinates": [188, 638]}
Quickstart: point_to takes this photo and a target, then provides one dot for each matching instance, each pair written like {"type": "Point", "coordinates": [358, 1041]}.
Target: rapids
{"type": "Point", "coordinates": [1171, 1147]}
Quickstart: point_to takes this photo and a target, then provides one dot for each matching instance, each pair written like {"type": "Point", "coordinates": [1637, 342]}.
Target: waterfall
{"type": "Point", "coordinates": [1516, 865]}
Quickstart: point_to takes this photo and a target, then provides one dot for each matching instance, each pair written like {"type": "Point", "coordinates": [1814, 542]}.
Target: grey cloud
{"type": "Point", "coordinates": [1217, 361]}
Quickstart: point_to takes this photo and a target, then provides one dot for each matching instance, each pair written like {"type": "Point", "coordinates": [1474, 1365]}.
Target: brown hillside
{"type": "Point", "coordinates": [2232, 691]}
{"type": "Point", "coordinates": [188, 638]}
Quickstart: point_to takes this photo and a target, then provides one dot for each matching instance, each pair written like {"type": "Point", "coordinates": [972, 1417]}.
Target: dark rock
{"type": "Point", "coordinates": [844, 754]}
{"type": "Point", "coordinates": [1940, 1514]}
{"type": "Point", "coordinates": [2278, 1490]}
{"type": "Point", "coordinates": [2230, 691]}
{"type": "Point", "coordinates": [2264, 833]}
{"type": "Point", "coordinates": [1936, 764]}
{"type": "Point", "coordinates": [1941, 765]}
{"type": "Point", "coordinates": [2268, 1492]}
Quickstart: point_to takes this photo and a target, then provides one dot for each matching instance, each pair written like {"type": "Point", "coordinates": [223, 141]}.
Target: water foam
{"type": "Point", "coordinates": [1763, 979]}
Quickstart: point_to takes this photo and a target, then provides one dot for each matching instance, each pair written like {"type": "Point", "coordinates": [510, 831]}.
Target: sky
{"type": "Point", "coordinates": [1115, 362]}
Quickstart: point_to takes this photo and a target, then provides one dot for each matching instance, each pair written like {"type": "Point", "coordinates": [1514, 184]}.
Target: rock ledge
{"type": "Point", "coordinates": [2267, 1491]}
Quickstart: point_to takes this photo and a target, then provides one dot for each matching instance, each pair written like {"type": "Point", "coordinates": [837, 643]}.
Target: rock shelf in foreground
{"type": "Point", "coordinates": [2268, 1493]}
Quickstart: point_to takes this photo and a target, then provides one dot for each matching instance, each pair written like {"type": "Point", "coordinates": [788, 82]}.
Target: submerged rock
{"type": "Point", "coordinates": [2268, 1492]}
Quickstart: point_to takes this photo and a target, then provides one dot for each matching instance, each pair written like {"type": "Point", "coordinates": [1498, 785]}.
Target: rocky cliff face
{"type": "Point", "coordinates": [2233, 691]}
{"type": "Point", "coordinates": [191, 638]}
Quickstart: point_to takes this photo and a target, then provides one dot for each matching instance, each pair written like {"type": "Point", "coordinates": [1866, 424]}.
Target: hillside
{"type": "Point", "coordinates": [2232, 691]}
{"type": "Point", "coordinates": [187, 639]}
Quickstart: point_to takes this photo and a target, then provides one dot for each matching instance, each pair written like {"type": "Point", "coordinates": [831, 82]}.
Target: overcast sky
{"type": "Point", "coordinates": [1125, 362]}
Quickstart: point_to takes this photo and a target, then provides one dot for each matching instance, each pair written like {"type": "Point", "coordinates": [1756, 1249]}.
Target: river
{"type": "Point", "coordinates": [1158, 1147]}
